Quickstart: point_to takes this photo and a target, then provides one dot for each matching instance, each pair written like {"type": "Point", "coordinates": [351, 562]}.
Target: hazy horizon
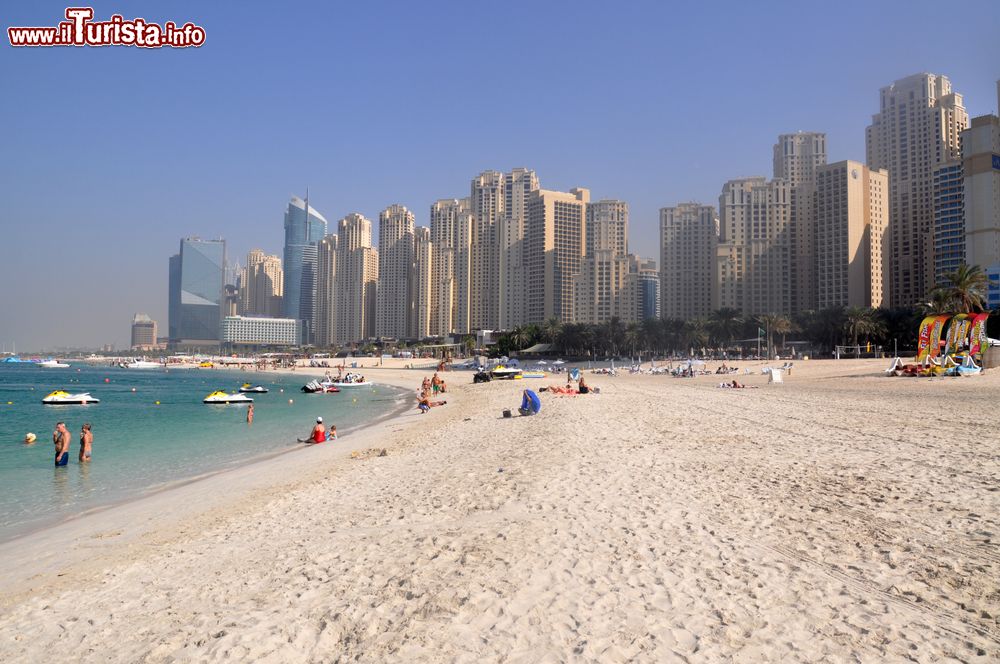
{"type": "Point", "coordinates": [114, 154]}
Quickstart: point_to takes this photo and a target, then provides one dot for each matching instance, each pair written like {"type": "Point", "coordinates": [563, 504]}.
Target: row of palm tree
{"type": "Point", "coordinates": [963, 292]}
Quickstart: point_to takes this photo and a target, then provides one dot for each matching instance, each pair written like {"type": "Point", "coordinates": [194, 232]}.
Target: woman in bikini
{"type": "Point", "coordinates": [86, 443]}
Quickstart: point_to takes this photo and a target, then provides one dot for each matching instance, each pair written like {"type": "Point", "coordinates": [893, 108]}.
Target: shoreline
{"type": "Point", "coordinates": [134, 517]}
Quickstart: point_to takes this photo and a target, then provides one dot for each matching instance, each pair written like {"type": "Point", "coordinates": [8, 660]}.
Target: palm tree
{"type": "Point", "coordinates": [550, 330]}
{"type": "Point", "coordinates": [633, 337]}
{"type": "Point", "coordinates": [696, 333]}
{"type": "Point", "coordinates": [724, 325]}
{"type": "Point", "coordinates": [862, 322]}
{"type": "Point", "coordinates": [965, 288]}
{"type": "Point", "coordinates": [783, 325]}
{"type": "Point", "coordinates": [519, 338]}
{"type": "Point", "coordinates": [770, 322]}
{"type": "Point", "coordinates": [939, 303]}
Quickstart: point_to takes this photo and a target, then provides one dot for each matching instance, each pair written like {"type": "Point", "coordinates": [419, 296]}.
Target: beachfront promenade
{"type": "Point", "coordinates": [841, 516]}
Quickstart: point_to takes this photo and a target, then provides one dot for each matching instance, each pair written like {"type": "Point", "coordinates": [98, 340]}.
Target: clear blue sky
{"type": "Point", "coordinates": [111, 155]}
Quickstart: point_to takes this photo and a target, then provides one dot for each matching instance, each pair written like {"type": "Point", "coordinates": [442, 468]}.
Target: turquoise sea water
{"type": "Point", "coordinates": [140, 446]}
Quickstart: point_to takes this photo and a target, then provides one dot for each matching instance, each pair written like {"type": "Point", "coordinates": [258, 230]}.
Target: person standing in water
{"type": "Point", "coordinates": [250, 414]}
{"type": "Point", "coordinates": [86, 443]}
{"type": "Point", "coordinates": [60, 438]}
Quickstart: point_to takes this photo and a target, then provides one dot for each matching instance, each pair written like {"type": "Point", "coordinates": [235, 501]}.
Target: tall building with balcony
{"type": "Point", "coordinates": [395, 251]}
{"type": "Point", "coordinates": [356, 281]}
{"type": "Point", "coordinates": [518, 185]}
{"type": "Point", "coordinates": [195, 296]}
{"type": "Point", "coordinates": [304, 228]}
{"type": "Point", "coordinates": [949, 220]}
{"type": "Point", "coordinates": [689, 235]}
{"type": "Point", "coordinates": [796, 158]}
{"type": "Point", "coordinates": [981, 197]}
{"type": "Point", "coordinates": [487, 199]}
{"type": "Point", "coordinates": [852, 226]}
{"type": "Point", "coordinates": [419, 300]}
{"type": "Point", "coordinates": [754, 258]}
{"type": "Point", "coordinates": [607, 281]}
{"type": "Point", "coordinates": [261, 285]}
{"type": "Point", "coordinates": [246, 333]}
{"type": "Point", "coordinates": [916, 129]}
{"type": "Point", "coordinates": [555, 244]}
{"type": "Point", "coordinates": [451, 240]}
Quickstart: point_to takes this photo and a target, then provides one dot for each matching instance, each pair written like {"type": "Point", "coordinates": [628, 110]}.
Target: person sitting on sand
{"type": "Point", "coordinates": [530, 403]}
{"type": "Point", "coordinates": [333, 432]}
{"type": "Point", "coordinates": [582, 386]}
{"type": "Point", "coordinates": [318, 433]}
{"type": "Point", "coordinates": [424, 402]}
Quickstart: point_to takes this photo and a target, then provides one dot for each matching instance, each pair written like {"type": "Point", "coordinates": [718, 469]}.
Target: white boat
{"type": "Point", "coordinates": [352, 380]}
{"type": "Point", "coordinates": [224, 397]}
{"type": "Point", "coordinates": [143, 364]}
{"type": "Point", "coordinates": [61, 397]}
{"type": "Point", "coordinates": [363, 383]}
{"type": "Point", "coordinates": [258, 389]}
{"type": "Point", "coordinates": [53, 364]}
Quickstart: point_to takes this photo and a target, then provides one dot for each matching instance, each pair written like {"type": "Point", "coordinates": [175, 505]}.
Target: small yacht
{"type": "Point", "coordinates": [143, 364]}
{"type": "Point", "coordinates": [53, 364]}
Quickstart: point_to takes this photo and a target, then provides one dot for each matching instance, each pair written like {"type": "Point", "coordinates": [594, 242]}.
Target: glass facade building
{"type": "Point", "coordinates": [303, 231]}
{"type": "Point", "coordinates": [196, 292]}
{"type": "Point", "coordinates": [949, 220]}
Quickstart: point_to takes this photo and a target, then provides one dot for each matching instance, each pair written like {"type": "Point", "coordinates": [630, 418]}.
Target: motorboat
{"type": "Point", "coordinates": [53, 364]}
{"type": "Point", "coordinates": [143, 364]}
{"type": "Point", "coordinates": [316, 387]}
{"type": "Point", "coordinates": [224, 397]}
{"type": "Point", "coordinates": [257, 389]}
{"type": "Point", "coordinates": [352, 380]}
{"type": "Point", "coordinates": [61, 397]}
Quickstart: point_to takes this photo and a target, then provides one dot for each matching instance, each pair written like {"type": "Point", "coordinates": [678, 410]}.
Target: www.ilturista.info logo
{"type": "Point", "coordinates": [80, 30]}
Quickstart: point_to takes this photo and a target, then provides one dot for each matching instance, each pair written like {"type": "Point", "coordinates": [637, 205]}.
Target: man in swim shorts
{"type": "Point", "coordinates": [60, 438]}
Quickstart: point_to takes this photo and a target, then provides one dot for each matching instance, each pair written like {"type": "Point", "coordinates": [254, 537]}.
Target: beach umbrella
{"type": "Point", "coordinates": [558, 362]}
{"type": "Point", "coordinates": [542, 362]}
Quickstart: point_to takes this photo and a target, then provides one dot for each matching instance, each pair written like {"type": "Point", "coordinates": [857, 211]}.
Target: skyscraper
{"type": "Point", "coordinates": [607, 280]}
{"type": "Point", "coordinates": [981, 170]}
{"type": "Point", "coordinates": [419, 319]}
{"type": "Point", "coordinates": [917, 128]}
{"type": "Point", "coordinates": [649, 289]}
{"type": "Point", "coordinates": [304, 228]}
{"type": "Point", "coordinates": [261, 285]}
{"type": "Point", "coordinates": [949, 220]}
{"type": "Point", "coordinates": [143, 332]}
{"type": "Point", "coordinates": [451, 239]}
{"type": "Point", "coordinates": [518, 185]}
{"type": "Point", "coordinates": [754, 256]}
{"type": "Point", "coordinates": [395, 251]}
{"type": "Point", "coordinates": [196, 293]}
{"type": "Point", "coordinates": [689, 234]}
{"type": "Point", "coordinates": [487, 199]}
{"type": "Point", "coordinates": [796, 158]}
{"type": "Point", "coordinates": [851, 222]}
{"type": "Point", "coordinates": [356, 281]}
{"type": "Point", "coordinates": [555, 243]}
{"type": "Point", "coordinates": [326, 288]}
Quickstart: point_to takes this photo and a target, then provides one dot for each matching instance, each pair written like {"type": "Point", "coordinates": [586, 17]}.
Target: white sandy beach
{"type": "Point", "coordinates": [842, 516]}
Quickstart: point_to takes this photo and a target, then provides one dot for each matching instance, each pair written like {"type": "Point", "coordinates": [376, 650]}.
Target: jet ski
{"type": "Point", "coordinates": [60, 397]}
{"type": "Point", "coordinates": [223, 397]}
{"type": "Point", "coordinates": [257, 389]}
